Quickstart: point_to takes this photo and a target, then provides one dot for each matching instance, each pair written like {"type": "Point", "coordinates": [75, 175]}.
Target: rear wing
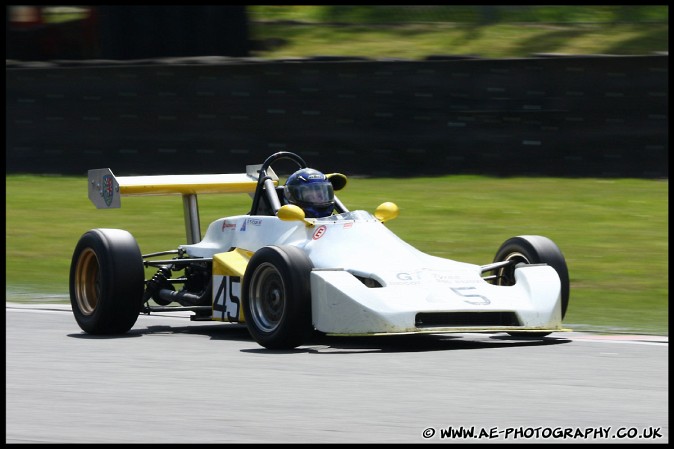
{"type": "Point", "coordinates": [106, 189]}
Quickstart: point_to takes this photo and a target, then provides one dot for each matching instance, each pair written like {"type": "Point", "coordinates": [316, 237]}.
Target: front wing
{"type": "Point", "coordinates": [342, 305]}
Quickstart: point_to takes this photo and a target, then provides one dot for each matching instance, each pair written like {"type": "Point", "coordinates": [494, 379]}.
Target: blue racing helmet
{"type": "Point", "coordinates": [312, 191]}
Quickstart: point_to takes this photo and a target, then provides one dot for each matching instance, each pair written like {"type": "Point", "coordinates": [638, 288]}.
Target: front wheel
{"type": "Point", "coordinates": [532, 249]}
{"type": "Point", "coordinates": [276, 297]}
{"type": "Point", "coordinates": [107, 280]}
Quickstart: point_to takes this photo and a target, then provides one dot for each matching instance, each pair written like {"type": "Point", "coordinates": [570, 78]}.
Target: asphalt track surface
{"type": "Point", "coordinates": [171, 380]}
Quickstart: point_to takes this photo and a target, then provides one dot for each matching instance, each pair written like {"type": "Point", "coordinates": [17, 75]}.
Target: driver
{"type": "Point", "coordinates": [311, 191]}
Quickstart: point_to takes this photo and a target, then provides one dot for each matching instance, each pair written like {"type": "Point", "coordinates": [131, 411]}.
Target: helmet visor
{"type": "Point", "coordinates": [313, 193]}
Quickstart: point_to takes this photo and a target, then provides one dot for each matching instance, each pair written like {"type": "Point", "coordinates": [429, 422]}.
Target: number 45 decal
{"type": "Point", "coordinates": [226, 303]}
{"type": "Point", "coordinates": [461, 291]}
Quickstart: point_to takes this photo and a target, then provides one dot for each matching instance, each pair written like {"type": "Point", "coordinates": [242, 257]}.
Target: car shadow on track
{"type": "Point", "coordinates": [324, 344]}
{"type": "Point", "coordinates": [215, 331]}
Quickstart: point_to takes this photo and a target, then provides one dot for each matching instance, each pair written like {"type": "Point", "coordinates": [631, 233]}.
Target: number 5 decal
{"type": "Point", "coordinates": [460, 291]}
{"type": "Point", "coordinates": [233, 298]}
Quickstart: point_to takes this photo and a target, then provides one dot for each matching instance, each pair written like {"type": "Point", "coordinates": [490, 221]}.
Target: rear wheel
{"type": "Point", "coordinates": [532, 249]}
{"type": "Point", "coordinates": [107, 280]}
{"type": "Point", "coordinates": [276, 297]}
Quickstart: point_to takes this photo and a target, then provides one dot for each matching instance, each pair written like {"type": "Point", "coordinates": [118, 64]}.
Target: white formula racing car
{"type": "Point", "coordinates": [287, 276]}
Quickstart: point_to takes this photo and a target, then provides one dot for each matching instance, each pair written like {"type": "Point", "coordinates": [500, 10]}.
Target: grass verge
{"type": "Point", "coordinates": [613, 232]}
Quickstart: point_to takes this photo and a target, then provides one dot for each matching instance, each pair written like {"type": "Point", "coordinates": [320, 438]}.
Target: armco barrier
{"type": "Point", "coordinates": [601, 116]}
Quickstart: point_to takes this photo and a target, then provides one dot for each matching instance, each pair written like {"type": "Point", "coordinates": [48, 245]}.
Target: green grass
{"type": "Point", "coordinates": [373, 14]}
{"type": "Point", "coordinates": [407, 32]}
{"type": "Point", "coordinates": [417, 41]}
{"type": "Point", "coordinates": [613, 232]}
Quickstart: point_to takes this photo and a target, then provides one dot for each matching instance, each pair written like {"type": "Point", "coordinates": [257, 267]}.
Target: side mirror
{"type": "Point", "coordinates": [291, 212]}
{"type": "Point", "coordinates": [337, 180]}
{"type": "Point", "coordinates": [386, 211]}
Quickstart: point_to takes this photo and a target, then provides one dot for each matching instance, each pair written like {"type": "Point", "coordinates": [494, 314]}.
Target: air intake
{"type": "Point", "coordinates": [466, 319]}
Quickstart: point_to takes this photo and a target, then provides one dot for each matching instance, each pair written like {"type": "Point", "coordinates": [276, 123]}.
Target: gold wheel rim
{"type": "Point", "coordinates": [87, 282]}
